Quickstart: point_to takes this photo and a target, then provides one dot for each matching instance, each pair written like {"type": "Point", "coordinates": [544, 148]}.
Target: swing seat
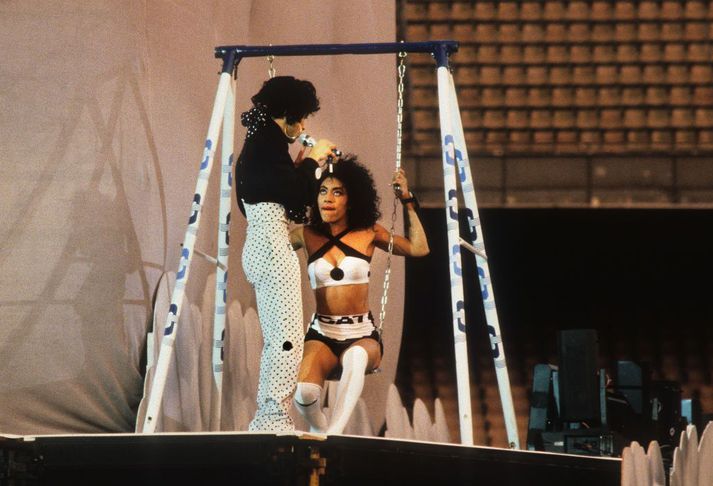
{"type": "Point", "coordinates": [336, 373]}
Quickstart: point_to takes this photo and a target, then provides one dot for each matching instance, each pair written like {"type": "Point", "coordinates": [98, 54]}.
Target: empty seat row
{"type": "Point", "coordinates": [556, 10]}
{"type": "Point", "coordinates": [583, 53]}
{"type": "Point", "coordinates": [607, 141]}
{"type": "Point", "coordinates": [607, 118]}
{"type": "Point", "coordinates": [557, 32]}
{"type": "Point", "coordinates": [684, 75]}
{"type": "Point", "coordinates": [561, 97]}
{"type": "Point", "coordinates": [675, 98]}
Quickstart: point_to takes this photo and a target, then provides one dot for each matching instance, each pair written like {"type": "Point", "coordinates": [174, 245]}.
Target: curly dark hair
{"type": "Point", "coordinates": [363, 207]}
{"type": "Point", "coordinates": [286, 96]}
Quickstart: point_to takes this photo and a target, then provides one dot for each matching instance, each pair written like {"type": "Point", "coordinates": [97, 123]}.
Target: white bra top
{"type": "Point", "coordinates": [352, 269]}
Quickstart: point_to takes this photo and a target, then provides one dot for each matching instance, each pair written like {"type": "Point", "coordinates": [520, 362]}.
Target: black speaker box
{"type": "Point", "coordinates": [633, 381]}
{"type": "Point", "coordinates": [578, 376]}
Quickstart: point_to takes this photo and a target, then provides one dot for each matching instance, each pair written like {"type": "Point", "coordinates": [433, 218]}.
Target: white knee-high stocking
{"type": "Point", "coordinates": [354, 361]}
{"type": "Point", "coordinates": [308, 401]}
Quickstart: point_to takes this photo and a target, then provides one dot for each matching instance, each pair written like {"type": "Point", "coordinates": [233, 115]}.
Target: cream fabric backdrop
{"type": "Point", "coordinates": [104, 108]}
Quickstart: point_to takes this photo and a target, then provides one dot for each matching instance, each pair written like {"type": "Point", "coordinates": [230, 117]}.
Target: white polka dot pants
{"type": "Point", "coordinates": [272, 267]}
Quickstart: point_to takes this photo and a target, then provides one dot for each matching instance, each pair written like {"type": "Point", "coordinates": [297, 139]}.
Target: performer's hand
{"type": "Point", "coordinates": [300, 157]}
{"type": "Point", "coordinates": [321, 150]}
{"type": "Point", "coordinates": [400, 184]}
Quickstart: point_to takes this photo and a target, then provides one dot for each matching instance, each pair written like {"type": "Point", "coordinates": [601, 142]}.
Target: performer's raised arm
{"type": "Point", "coordinates": [416, 245]}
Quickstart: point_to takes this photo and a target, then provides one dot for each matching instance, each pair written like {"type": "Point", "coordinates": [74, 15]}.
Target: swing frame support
{"type": "Point", "coordinates": [455, 163]}
{"type": "Point", "coordinates": [232, 55]}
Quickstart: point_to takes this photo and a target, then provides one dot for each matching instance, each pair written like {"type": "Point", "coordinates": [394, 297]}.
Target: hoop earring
{"type": "Point", "coordinates": [290, 137]}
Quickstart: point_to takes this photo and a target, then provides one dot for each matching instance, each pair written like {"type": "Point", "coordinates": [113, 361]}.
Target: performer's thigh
{"type": "Point", "coordinates": [373, 351]}
{"type": "Point", "coordinates": [318, 361]}
{"type": "Point", "coordinates": [279, 297]}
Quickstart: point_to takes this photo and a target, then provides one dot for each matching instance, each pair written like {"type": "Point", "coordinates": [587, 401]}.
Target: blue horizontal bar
{"type": "Point", "coordinates": [433, 47]}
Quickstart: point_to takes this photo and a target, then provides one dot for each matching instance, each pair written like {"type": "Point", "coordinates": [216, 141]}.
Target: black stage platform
{"type": "Point", "coordinates": [242, 458]}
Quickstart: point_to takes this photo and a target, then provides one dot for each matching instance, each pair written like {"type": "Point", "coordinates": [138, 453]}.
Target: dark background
{"type": "Point", "coordinates": [640, 277]}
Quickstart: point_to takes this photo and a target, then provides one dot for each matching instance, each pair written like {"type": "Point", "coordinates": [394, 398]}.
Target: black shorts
{"type": "Point", "coordinates": [338, 347]}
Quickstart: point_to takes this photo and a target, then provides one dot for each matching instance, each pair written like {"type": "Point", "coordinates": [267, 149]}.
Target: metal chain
{"type": "Point", "coordinates": [400, 107]}
{"type": "Point", "coordinates": [271, 69]}
{"type": "Point", "coordinates": [399, 123]}
{"type": "Point", "coordinates": [387, 274]}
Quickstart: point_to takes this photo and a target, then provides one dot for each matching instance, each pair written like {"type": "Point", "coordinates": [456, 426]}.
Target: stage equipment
{"type": "Point", "coordinates": [544, 409]}
{"type": "Point", "coordinates": [634, 383]}
{"type": "Point", "coordinates": [577, 409]}
{"type": "Point", "coordinates": [455, 165]}
{"type": "Point", "coordinates": [691, 412]}
{"type": "Point", "coordinates": [666, 412]}
{"type": "Point", "coordinates": [578, 375]}
{"type": "Point", "coordinates": [568, 411]}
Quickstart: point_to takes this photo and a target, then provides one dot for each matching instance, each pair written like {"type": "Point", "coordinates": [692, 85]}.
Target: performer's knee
{"type": "Point", "coordinates": [307, 394]}
{"type": "Point", "coordinates": [355, 357]}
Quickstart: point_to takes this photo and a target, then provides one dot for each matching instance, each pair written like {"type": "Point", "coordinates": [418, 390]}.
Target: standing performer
{"type": "Point", "coordinates": [271, 189]}
{"type": "Point", "coordinates": [340, 242]}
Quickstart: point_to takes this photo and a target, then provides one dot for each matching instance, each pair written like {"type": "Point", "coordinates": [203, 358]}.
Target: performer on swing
{"type": "Point", "coordinates": [271, 189]}
{"type": "Point", "coordinates": [340, 241]}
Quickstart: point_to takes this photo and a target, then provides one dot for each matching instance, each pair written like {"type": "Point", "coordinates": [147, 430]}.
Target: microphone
{"type": "Point", "coordinates": [308, 141]}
